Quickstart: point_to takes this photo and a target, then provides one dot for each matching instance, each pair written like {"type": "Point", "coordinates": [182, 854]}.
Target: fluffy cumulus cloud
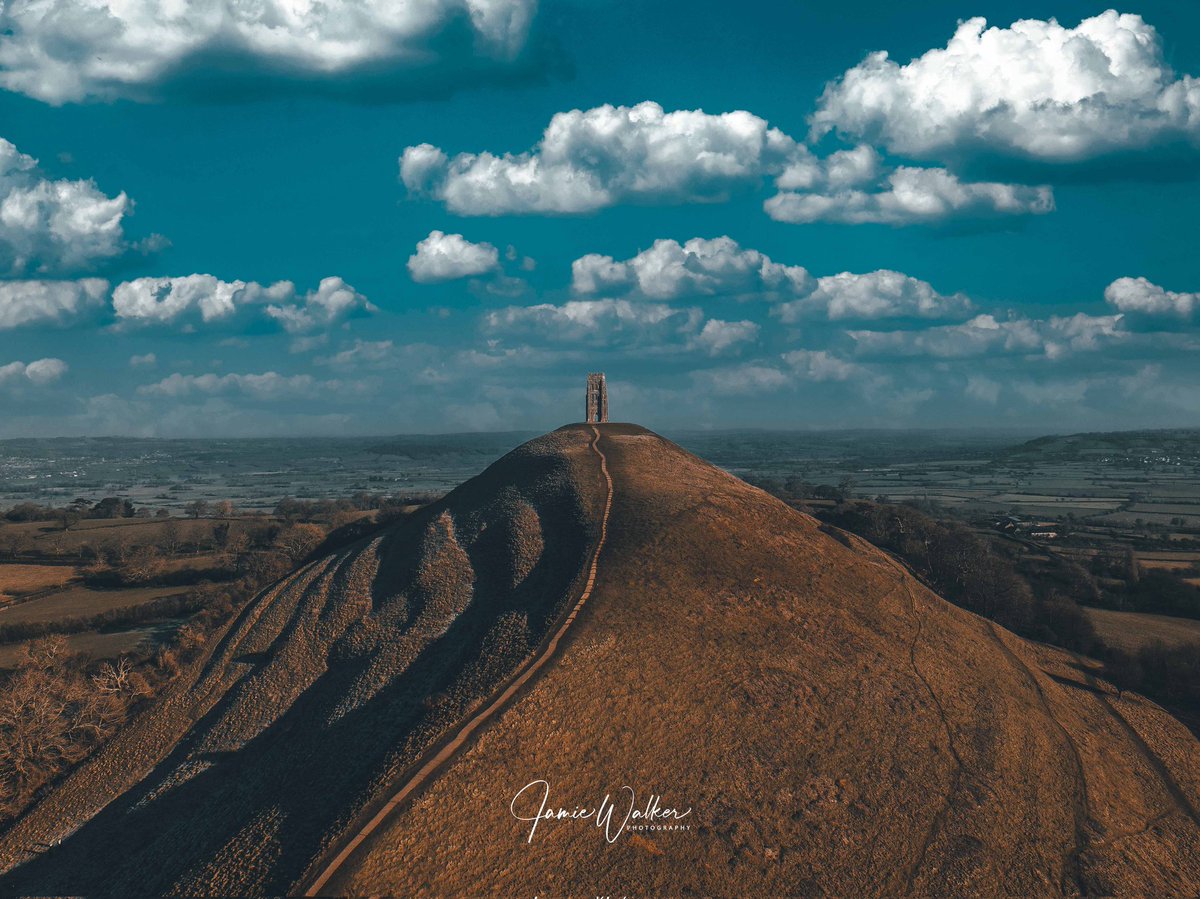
{"type": "Point", "coordinates": [875, 295]}
{"type": "Point", "coordinates": [62, 52]}
{"type": "Point", "coordinates": [1036, 90]}
{"type": "Point", "coordinates": [170, 300]}
{"type": "Point", "coordinates": [52, 227]}
{"type": "Point", "coordinates": [1139, 296]}
{"type": "Point", "coordinates": [718, 337]}
{"type": "Point", "coordinates": [596, 158]}
{"type": "Point", "coordinates": [720, 266]}
{"type": "Point", "coordinates": [592, 159]}
{"type": "Point", "coordinates": [165, 300]}
{"type": "Point", "coordinates": [49, 302]}
{"type": "Point", "coordinates": [333, 301]}
{"type": "Point", "coordinates": [446, 257]}
{"type": "Point", "coordinates": [37, 373]}
{"type": "Point", "coordinates": [698, 267]}
{"type": "Point", "coordinates": [853, 188]}
{"type": "Point", "coordinates": [618, 324]}
{"type": "Point", "coordinates": [1053, 338]}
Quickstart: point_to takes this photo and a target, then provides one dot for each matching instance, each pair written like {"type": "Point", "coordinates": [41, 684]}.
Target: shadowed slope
{"type": "Point", "coordinates": [328, 685]}
{"type": "Point", "coordinates": [836, 728]}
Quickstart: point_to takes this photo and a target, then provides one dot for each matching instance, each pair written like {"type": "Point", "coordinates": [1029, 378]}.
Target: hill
{"type": "Point", "coordinates": [834, 727]}
{"type": "Point", "coordinates": [1171, 446]}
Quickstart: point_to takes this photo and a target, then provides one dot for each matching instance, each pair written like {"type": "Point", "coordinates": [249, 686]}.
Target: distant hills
{"type": "Point", "coordinates": [1178, 444]}
{"type": "Point", "coordinates": [833, 726]}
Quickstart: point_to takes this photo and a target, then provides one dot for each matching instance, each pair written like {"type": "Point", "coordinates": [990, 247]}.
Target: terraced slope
{"type": "Point", "coordinates": [328, 686]}
{"type": "Point", "coordinates": [834, 727]}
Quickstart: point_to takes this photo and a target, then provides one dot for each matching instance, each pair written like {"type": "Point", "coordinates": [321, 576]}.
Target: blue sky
{"type": "Point", "coordinates": [746, 217]}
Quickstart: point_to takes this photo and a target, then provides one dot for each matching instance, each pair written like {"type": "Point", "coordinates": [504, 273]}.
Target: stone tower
{"type": "Point", "coordinates": [597, 397]}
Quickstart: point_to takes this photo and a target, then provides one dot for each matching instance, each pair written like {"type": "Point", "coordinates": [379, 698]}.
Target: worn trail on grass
{"type": "Point", "coordinates": [441, 756]}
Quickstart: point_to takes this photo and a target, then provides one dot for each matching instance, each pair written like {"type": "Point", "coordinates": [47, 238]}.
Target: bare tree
{"type": "Point", "coordinates": [197, 508]}
{"type": "Point", "coordinates": [51, 717]}
{"type": "Point", "coordinates": [170, 536]}
{"type": "Point", "coordinates": [298, 541]}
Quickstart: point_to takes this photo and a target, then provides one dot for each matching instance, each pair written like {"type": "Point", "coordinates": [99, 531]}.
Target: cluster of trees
{"type": "Point", "coordinates": [54, 711]}
{"type": "Point", "coordinates": [109, 507]}
{"type": "Point", "coordinates": [338, 511]}
{"type": "Point", "coordinates": [1124, 585]}
{"type": "Point", "coordinates": [969, 572]}
{"type": "Point", "coordinates": [1168, 674]}
{"type": "Point", "coordinates": [1163, 592]}
{"type": "Point", "coordinates": [1040, 599]}
{"type": "Point", "coordinates": [797, 490]}
{"type": "Point", "coordinates": [56, 707]}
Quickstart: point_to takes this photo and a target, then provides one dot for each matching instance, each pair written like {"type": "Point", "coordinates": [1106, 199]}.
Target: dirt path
{"type": "Point", "coordinates": [442, 755]}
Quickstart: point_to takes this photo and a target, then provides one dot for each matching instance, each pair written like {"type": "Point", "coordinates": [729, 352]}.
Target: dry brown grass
{"type": "Point", "coordinates": [1131, 631]}
{"type": "Point", "coordinates": [1166, 564]}
{"type": "Point", "coordinates": [16, 580]}
{"type": "Point", "coordinates": [80, 602]}
{"type": "Point", "coordinates": [836, 728]}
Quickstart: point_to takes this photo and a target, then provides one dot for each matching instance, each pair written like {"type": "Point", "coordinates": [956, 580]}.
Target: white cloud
{"type": "Point", "coordinates": [446, 257]}
{"type": "Point", "coordinates": [39, 372]}
{"type": "Point", "coordinates": [54, 226]}
{"type": "Point", "coordinates": [1141, 296]}
{"type": "Point", "coordinates": [167, 300]}
{"type": "Point", "coordinates": [333, 301]}
{"type": "Point", "coordinates": [1054, 337]}
{"type": "Point", "coordinates": [593, 159]}
{"type": "Point", "coordinates": [717, 337]}
{"type": "Point", "coordinates": [879, 294]}
{"type": "Point", "coordinates": [742, 380]}
{"type": "Point", "coordinates": [908, 196]}
{"type": "Point", "coordinates": [268, 385]}
{"type": "Point", "coordinates": [164, 300]}
{"type": "Point", "coordinates": [48, 302]}
{"type": "Point", "coordinates": [589, 160]}
{"type": "Point", "coordinates": [699, 267]}
{"type": "Point", "coordinates": [597, 321]}
{"type": "Point", "coordinates": [148, 360]}
{"type": "Point", "coordinates": [820, 365]}
{"type": "Point", "coordinates": [367, 353]}
{"type": "Point", "coordinates": [1035, 90]}
{"type": "Point", "coordinates": [96, 49]}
